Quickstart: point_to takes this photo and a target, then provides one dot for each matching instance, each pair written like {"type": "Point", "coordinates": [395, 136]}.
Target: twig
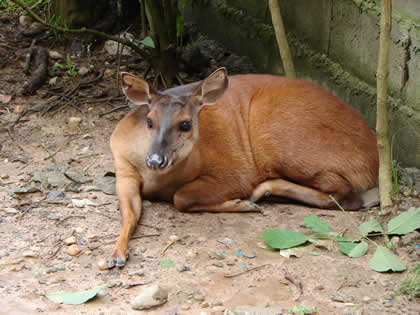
{"type": "Point", "coordinates": [245, 271]}
{"type": "Point", "coordinates": [297, 285]}
{"type": "Point", "coordinates": [135, 284]}
{"type": "Point", "coordinates": [83, 30]}
{"type": "Point", "coordinates": [43, 146]}
{"type": "Point", "coordinates": [70, 217]}
{"type": "Point", "coordinates": [59, 149]}
{"type": "Point", "coordinates": [169, 245]}
{"type": "Point", "coordinates": [113, 110]}
{"type": "Point", "coordinates": [90, 155]}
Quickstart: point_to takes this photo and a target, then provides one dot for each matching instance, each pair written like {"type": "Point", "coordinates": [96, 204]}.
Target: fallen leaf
{"type": "Point", "coordinates": [74, 298]}
{"type": "Point", "coordinates": [384, 260]}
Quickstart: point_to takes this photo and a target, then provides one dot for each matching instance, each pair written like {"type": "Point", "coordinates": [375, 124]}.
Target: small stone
{"type": "Point", "coordinates": [149, 296]}
{"type": "Point", "coordinates": [198, 297]}
{"type": "Point", "coordinates": [336, 297]}
{"type": "Point", "coordinates": [395, 240]}
{"type": "Point", "coordinates": [55, 55]}
{"type": "Point", "coordinates": [19, 109]}
{"type": "Point", "coordinates": [183, 268]}
{"type": "Point", "coordinates": [25, 20]}
{"type": "Point", "coordinates": [102, 264]}
{"type": "Point", "coordinates": [52, 216]}
{"type": "Point", "coordinates": [74, 122]}
{"type": "Point", "coordinates": [53, 81]}
{"type": "Point", "coordinates": [70, 240]}
{"type": "Point", "coordinates": [230, 263]}
{"type": "Point", "coordinates": [202, 239]}
{"type": "Point", "coordinates": [5, 176]}
{"type": "Point", "coordinates": [73, 250]}
{"type": "Point", "coordinates": [55, 194]}
{"type": "Point", "coordinates": [388, 297]}
{"type": "Point", "coordinates": [366, 299]}
{"type": "Point", "coordinates": [205, 305]}
{"type": "Point", "coordinates": [3, 253]}
{"type": "Point", "coordinates": [185, 307]}
{"type": "Point", "coordinates": [217, 256]}
{"type": "Point", "coordinates": [83, 71]}
{"type": "Point", "coordinates": [146, 203]}
{"type": "Point", "coordinates": [218, 308]}
{"type": "Point", "coordinates": [59, 267]}
{"type": "Point", "coordinates": [11, 211]}
{"type": "Point", "coordinates": [218, 264]}
{"type": "Point", "coordinates": [250, 255]}
{"type": "Point", "coordinates": [108, 73]}
{"type": "Point", "coordinates": [173, 238]}
{"type": "Point", "coordinates": [29, 254]}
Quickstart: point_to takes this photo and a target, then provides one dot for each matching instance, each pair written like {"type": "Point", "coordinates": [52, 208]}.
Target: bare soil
{"type": "Point", "coordinates": [322, 279]}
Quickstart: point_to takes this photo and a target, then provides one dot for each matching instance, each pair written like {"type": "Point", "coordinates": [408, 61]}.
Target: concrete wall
{"type": "Point", "coordinates": [334, 43]}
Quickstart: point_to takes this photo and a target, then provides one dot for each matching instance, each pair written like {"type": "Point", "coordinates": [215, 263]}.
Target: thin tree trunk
{"type": "Point", "coordinates": [278, 25]}
{"type": "Point", "coordinates": [382, 129]}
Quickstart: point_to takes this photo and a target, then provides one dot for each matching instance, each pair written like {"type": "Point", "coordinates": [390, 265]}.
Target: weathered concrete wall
{"type": "Point", "coordinates": [334, 43]}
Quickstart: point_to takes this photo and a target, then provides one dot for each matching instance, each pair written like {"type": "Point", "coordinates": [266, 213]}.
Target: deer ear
{"type": "Point", "coordinates": [137, 90]}
{"type": "Point", "coordinates": [213, 87]}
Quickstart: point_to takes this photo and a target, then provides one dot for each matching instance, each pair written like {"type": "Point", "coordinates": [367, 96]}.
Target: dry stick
{"type": "Point", "coordinates": [278, 25]}
{"type": "Point", "coordinates": [70, 217]}
{"type": "Point", "coordinates": [382, 128]}
{"type": "Point", "coordinates": [59, 149]}
{"type": "Point", "coordinates": [82, 30]}
{"type": "Point", "coordinates": [245, 271]}
{"type": "Point", "coordinates": [298, 285]}
{"type": "Point", "coordinates": [169, 245]}
{"type": "Point", "coordinates": [113, 110]}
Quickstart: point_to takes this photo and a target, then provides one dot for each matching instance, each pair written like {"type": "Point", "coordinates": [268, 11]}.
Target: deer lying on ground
{"type": "Point", "coordinates": [207, 147]}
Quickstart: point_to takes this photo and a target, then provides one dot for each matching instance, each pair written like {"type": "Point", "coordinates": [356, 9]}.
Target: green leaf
{"type": "Point", "coordinates": [74, 298]}
{"type": "Point", "coordinates": [148, 42]}
{"type": "Point", "coordinates": [384, 260]}
{"type": "Point", "coordinates": [359, 250]}
{"type": "Point", "coordinates": [167, 263]}
{"type": "Point", "coordinates": [283, 239]}
{"type": "Point", "coordinates": [405, 223]}
{"type": "Point", "coordinates": [316, 224]}
{"type": "Point", "coordinates": [371, 226]}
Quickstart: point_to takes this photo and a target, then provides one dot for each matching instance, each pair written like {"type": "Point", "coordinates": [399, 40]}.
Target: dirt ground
{"type": "Point", "coordinates": [34, 259]}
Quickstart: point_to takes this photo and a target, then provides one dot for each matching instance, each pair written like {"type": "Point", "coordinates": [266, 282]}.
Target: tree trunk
{"type": "Point", "coordinates": [278, 25]}
{"type": "Point", "coordinates": [382, 129]}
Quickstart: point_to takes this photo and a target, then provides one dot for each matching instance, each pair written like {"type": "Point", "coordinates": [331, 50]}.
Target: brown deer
{"type": "Point", "coordinates": [207, 147]}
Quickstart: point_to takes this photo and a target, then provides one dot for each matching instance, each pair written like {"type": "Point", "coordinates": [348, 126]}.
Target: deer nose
{"type": "Point", "coordinates": [154, 161]}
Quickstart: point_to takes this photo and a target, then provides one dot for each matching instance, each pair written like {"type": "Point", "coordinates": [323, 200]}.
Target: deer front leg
{"type": "Point", "coordinates": [128, 190]}
{"type": "Point", "coordinates": [205, 194]}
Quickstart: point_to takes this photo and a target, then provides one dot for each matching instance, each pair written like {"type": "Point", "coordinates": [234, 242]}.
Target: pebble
{"type": "Point", "coordinates": [25, 20]}
{"type": "Point", "coordinates": [52, 216]}
{"type": "Point", "coordinates": [185, 307]}
{"type": "Point", "coordinates": [336, 297]}
{"type": "Point", "coordinates": [83, 71]}
{"type": "Point", "coordinates": [149, 296]}
{"type": "Point", "coordinates": [53, 81]}
{"type": "Point", "coordinates": [11, 211]}
{"type": "Point", "coordinates": [202, 239]}
{"type": "Point", "coordinates": [146, 203]}
{"type": "Point", "coordinates": [183, 268]}
{"type": "Point", "coordinates": [218, 264]}
{"type": "Point", "coordinates": [73, 250]}
{"type": "Point", "coordinates": [395, 240]}
{"type": "Point", "coordinates": [74, 122]}
{"type": "Point", "coordinates": [55, 55]}
{"type": "Point", "coordinates": [366, 299]}
{"type": "Point", "coordinates": [70, 240]}
{"type": "Point", "coordinates": [19, 109]}
{"type": "Point", "coordinates": [3, 253]}
{"type": "Point", "coordinates": [173, 238]}
{"type": "Point", "coordinates": [218, 256]}
{"type": "Point", "coordinates": [205, 305]}
{"type": "Point", "coordinates": [29, 253]}
{"type": "Point", "coordinates": [198, 297]}
{"type": "Point", "coordinates": [102, 264]}
{"type": "Point", "coordinates": [218, 308]}
{"type": "Point", "coordinates": [59, 267]}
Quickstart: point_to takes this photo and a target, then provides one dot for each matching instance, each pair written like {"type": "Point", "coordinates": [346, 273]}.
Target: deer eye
{"type": "Point", "coordinates": [185, 126]}
{"type": "Point", "coordinates": [149, 123]}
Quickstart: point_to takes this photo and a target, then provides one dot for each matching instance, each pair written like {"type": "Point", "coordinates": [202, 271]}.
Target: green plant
{"type": "Point", "coordinates": [71, 69]}
{"type": "Point", "coordinates": [411, 285]}
{"type": "Point", "coordinates": [382, 260]}
{"type": "Point", "coordinates": [302, 310]}
{"type": "Point", "coordinates": [11, 8]}
{"type": "Point", "coordinates": [56, 20]}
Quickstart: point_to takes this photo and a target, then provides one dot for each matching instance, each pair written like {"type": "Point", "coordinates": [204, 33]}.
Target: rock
{"type": "Point", "coordinates": [111, 47]}
{"type": "Point", "coordinates": [11, 211]}
{"type": "Point", "coordinates": [74, 122]}
{"type": "Point", "coordinates": [70, 240]}
{"type": "Point", "coordinates": [149, 297]}
{"type": "Point", "coordinates": [218, 308]}
{"type": "Point", "coordinates": [19, 109]}
{"type": "Point", "coordinates": [53, 81]}
{"type": "Point", "coordinates": [83, 71]}
{"type": "Point", "coordinates": [218, 264]}
{"type": "Point", "coordinates": [73, 250]}
{"type": "Point", "coordinates": [81, 203]}
{"type": "Point", "coordinates": [183, 268]}
{"type": "Point", "coordinates": [102, 264]}
{"type": "Point", "coordinates": [370, 198]}
{"type": "Point", "coordinates": [337, 297]}
{"type": "Point", "coordinates": [53, 216]}
{"type": "Point", "coordinates": [59, 267]}
{"type": "Point", "coordinates": [217, 256]}
{"type": "Point", "coordinates": [29, 254]}
{"type": "Point", "coordinates": [173, 238]}
{"type": "Point", "coordinates": [55, 194]}
{"type": "Point", "coordinates": [55, 55]}
{"type": "Point", "coordinates": [25, 20]}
